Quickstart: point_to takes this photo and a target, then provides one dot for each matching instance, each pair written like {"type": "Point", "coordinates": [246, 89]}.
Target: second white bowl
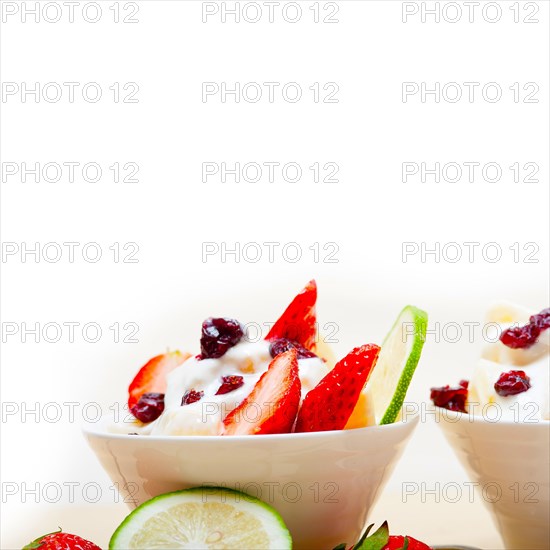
{"type": "Point", "coordinates": [510, 462]}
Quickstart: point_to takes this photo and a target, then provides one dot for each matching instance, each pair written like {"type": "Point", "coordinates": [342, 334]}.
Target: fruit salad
{"type": "Point", "coordinates": [287, 382]}
{"type": "Point", "coordinates": [512, 373]}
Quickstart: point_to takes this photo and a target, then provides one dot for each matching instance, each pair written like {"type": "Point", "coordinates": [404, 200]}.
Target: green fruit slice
{"type": "Point", "coordinates": [396, 364]}
{"type": "Point", "coordinates": [202, 518]}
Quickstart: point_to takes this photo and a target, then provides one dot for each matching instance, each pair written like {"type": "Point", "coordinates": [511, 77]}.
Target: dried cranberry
{"type": "Point", "coordinates": [512, 383]}
{"type": "Point", "coordinates": [527, 335]}
{"type": "Point", "coordinates": [191, 396]}
{"type": "Point", "coordinates": [149, 407]}
{"type": "Point", "coordinates": [230, 383]}
{"type": "Point", "coordinates": [542, 319]}
{"type": "Point", "coordinates": [218, 335]}
{"type": "Point", "coordinates": [284, 344]}
{"type": "Point", "coordinates": [520, 337]}
{"type": "Point", "coordinates": [453, 399]}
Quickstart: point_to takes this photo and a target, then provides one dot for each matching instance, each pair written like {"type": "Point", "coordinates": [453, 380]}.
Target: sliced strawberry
{"type": "Point", "coordinates": [329, 405]}
{"type": "Point", "coordinates": [151, 378]}
{"type": "Point", "coordinates": [399, 542]}
{"type": "Point", "coordinates": [298, 322]}
{"type": "Point", "coordinates": [271, 406]}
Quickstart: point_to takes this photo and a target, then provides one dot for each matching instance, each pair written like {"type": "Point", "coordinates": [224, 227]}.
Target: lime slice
{"type": "Point", "coordinates": [396, 363]}
{"type": "Point", "coordinates": [202, 518]}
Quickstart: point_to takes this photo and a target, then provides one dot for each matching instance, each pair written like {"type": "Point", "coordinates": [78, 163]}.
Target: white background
{"type": "Point", "coordinates": [170, 212]}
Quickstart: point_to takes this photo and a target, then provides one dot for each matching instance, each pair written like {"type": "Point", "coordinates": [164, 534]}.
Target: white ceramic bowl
{"type": "Point", "coordinates": [511, 463]}
{"type": "Point", "coordinates": [323, 484]}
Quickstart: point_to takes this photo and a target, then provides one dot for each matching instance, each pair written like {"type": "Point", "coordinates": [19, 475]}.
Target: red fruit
{"type": "Point", "coordinates": [271, 406]}
{"type": "Point", "coordinates": [298, 322]}
{"type": "Point", "coordinates": [329, 405]}
{"type": "Point", "coordinates": [149, 407]}
{"type": "Point", "coordinates": [512, 383]}
{"type": "Point", "coordinates": [218, 335]}
{"type": "Point", "coordinates": [527, 335]}
{"type": "Point", "coordinates": [398, 542]}
{"type": "Point", "coordinates": [541, 320]}
{"type": "Point", "coordinates": [61, 541]}
{"type": "Point", "coordinates": [284, 344]}
{"type": "Point", "coordinates": [520, 337]}
{"type": "Point", "coordinates": [230, 383]}
{"type": "Point", "coordinates": [191, 396]}
{"type": "Point", "coordinates": [452, 399]}
{"type": "Point", "coordinates": [381, 540]}
{"type": "Point", "coordinates": [151, 378]}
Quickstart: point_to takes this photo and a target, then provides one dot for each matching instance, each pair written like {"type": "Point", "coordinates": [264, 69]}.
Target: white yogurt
{"type": "Point", "coordinates": [529, 406]}
{"type": "Point", "coordinates": [204, 417]}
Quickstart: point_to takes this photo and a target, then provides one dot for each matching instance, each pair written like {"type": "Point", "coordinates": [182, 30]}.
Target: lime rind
{"type": "Point", "coordinates": [271, 520]}
{"type": "Point", "coordinates": [399, 357]}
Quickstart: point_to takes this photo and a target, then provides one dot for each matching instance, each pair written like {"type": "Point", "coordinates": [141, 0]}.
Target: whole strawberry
{"type": "Point", "coordinates": [381, 540]}
{"type": "Point", "coordinates": [60, 541]}
{"type": "Point", "coordinates": [407, 543]}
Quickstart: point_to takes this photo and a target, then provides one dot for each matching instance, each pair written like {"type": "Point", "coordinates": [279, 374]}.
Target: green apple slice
{"type": "Point", "coordinates": [396, 364]}
{"type": "Point", "coordinates": [203, 517]}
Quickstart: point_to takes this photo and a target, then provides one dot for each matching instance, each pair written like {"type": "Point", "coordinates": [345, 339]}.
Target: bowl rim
{"type": "Point", "coordinates": [97, 429]}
